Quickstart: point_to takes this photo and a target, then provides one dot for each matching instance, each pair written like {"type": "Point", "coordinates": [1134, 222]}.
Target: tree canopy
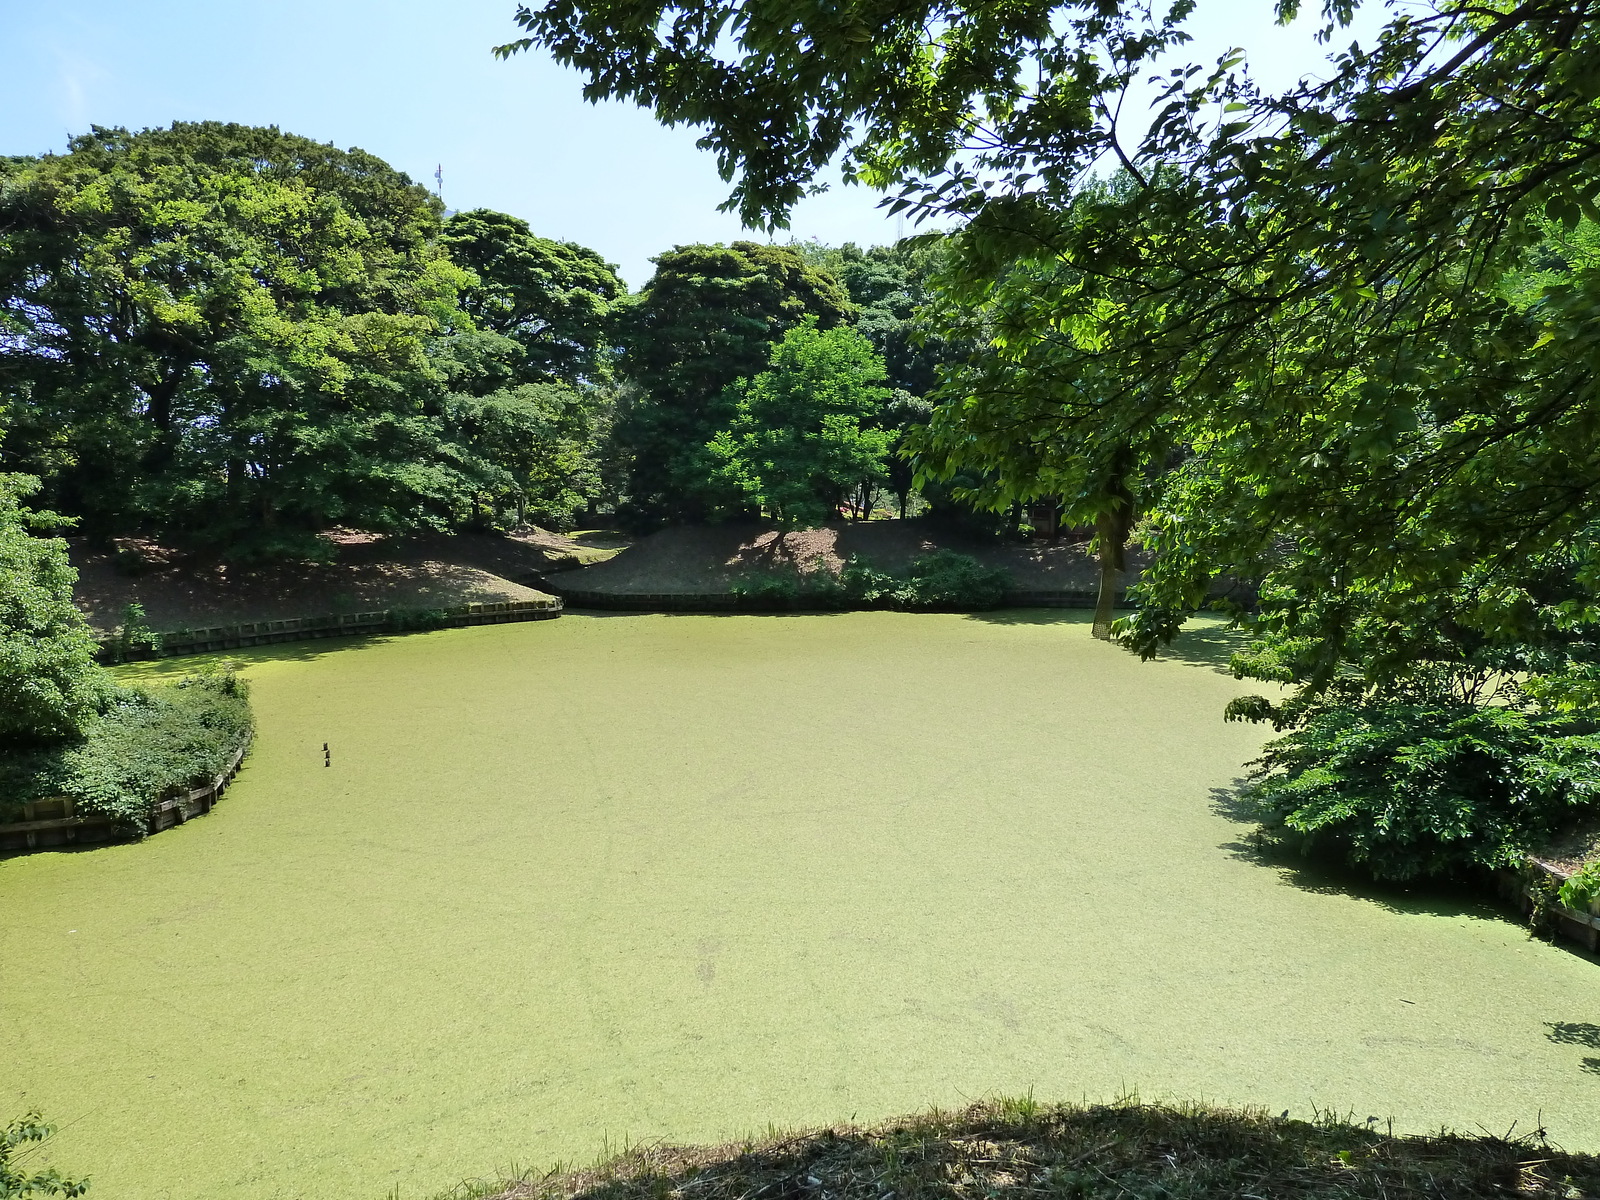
{"type": "Point", "coordinates": [221, 331]}
{"type": "Point", "coordinates": [49, 684]}
{"type": "Point", "coordinates": [234, 338]}
{"type": "Point", "coordinates": [554, 299]}
{"type": "Point", "coordinates": [801, 434]}
{"type": "Point", "coordinates": [1306, 291]}
{"type": "Point", "coordinates": [708, 316]}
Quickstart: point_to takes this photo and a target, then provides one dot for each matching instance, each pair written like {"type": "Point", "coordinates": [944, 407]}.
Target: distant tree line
{"type": "Point", "coordinates": [233, 338]}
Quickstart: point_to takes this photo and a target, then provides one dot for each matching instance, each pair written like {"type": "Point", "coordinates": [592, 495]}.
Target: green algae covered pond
{"type": "Point", "coordinates": [604, 879]}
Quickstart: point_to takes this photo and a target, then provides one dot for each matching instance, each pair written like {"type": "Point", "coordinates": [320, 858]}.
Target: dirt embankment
{"type": "Point", "coordinates": [709, 559]}
{"type": "Point", "coordinates": [364, 573]}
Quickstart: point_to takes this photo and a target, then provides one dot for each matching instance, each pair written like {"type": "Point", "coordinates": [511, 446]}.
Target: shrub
{"type": "Point", "coordinates": [951, 582]}
{"type": "Point", "coordinates": [943, 581]}
{"type": "Point", "coordinates": [146, 744]}
{"type": "Point", "coordinates": [409, 620]}
{"type": "Point", "coordinates": [867, 587]}
{"type": "Point", "coordinates": [768, 589]}
{"type": "Point", "coordinates": [134, 637]}
{"type": "Point", "coordinates": [21, 1183]}
{"type": "Point", "coordinates": [1583, 888]}
{"type": "Point", "coordinates": [939, 582]}
{"type": "Point", "coordinates": [1404, 790]}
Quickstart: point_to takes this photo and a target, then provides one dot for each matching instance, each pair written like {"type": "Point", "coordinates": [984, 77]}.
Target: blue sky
{"type": "Point", "coordinates": [413, 81]}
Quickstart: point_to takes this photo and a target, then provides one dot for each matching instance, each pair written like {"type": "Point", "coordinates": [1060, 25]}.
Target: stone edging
{"type": "Point", "coordinates": [262, 633]}
{"type": "Point", "coordinates": [70, 829]}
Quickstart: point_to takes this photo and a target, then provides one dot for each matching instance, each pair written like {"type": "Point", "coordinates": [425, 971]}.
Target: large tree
{"type": "Point", "coordinates": [50, 686]}
{"type": "Point", "coordinates": [801, 436]}
{"type": "Point", "coordinates": [531, 451]}
{"type": "Point", "coordinates": [709, 315]}
{"type": "Point", "coordinates": [554, 299]}
{"type": "Point", "coordinates": [220, 332]}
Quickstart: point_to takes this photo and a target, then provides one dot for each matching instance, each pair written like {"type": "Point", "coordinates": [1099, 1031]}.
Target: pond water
{"type": "Point", "coordinates": [612, 878]}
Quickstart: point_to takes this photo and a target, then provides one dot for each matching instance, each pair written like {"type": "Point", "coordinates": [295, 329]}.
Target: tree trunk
{"type": "Point", "coordinates": [1112, 525]}
{"type": "Point", "coordinates": [1111, 566]}
{"type": "Point", "coordinates": [158, 409]}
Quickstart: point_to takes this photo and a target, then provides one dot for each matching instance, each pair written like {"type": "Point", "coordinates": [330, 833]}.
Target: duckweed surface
{"type": "Point", "coordinates": [615, 878]}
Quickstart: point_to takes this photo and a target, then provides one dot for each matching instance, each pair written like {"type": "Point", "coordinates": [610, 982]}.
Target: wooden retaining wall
{"type": "Point", "coordinates": [52, 822]}
{"type": "Point", "coordinates": [263, 633]}
{"type": "Point", "coordinates": [1580, 927]}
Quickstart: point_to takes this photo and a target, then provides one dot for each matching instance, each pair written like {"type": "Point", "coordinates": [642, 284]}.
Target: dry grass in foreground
{"type": "Point", "coordinates": [1017, 1149]}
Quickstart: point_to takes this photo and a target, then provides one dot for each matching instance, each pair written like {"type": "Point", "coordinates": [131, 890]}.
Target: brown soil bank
{"type": "Point", "coordinates": [364, 572]}
{"type": "Point", "coordinates": [709, 559]}
{"type": "Point", "coordinates": [1020, 1151]}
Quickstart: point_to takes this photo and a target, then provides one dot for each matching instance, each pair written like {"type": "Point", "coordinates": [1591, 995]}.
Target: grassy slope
{"type": "Point", "coordinates": [677, 876]}
{"type": "Point", "coordinates": [1001, 1150]}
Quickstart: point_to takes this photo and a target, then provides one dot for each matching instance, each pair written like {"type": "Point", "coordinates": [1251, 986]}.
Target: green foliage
{"type": "Point", "coordinates": [133, 637]}
{"type": "Point", "coordinates": [17, 1182]}
{"type": "Point", "coordinates": [553, 299]}
{"type": "Point", "coordinates": [797, 441]}
{"type": "Point", "coordinates": [1339, 342]}
{"type": "Point", "coordinates": [221, 332]}
{"type": "Point", "coordinates": [145, 744]}
{"type": "Point", "coordinates": [1582, 888]}
{"type": "Point", "coordinates": [410, 620]}
{"type": "Point", "coordinates": [532, 451]}
{"type": "Point", "coordinates": [777, 589]}
{"type": "Point", "coordinates": [890, 287]}
{"type": "Point", "coordinates": [1407, 790]}
{"type": "Point", "coordinates": [709, 315]}
{"type": "Point", "coordinates": [50, 686]}
{"type": "Point", "coordinates": [943, 581]}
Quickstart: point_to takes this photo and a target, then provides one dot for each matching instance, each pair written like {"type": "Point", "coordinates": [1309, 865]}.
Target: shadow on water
{"type": "Point", "coordinates": [1329, 877]}
{"type": "Point", "coordinates": [579, 611]}
{"type": "Point", "coordinates": [1204, 642]}
{"type": "Point", "coordinates": [246, 656]}
{"type": "Point", "coordinates": [1577, 1033]}
{"type": "Point", "coordinates": [1033, 616]}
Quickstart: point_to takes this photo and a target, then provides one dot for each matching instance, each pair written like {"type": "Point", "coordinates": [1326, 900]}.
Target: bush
{"type": "Point", "coordinates": [950, 582]}
{"type": "Point", "coordinates": [145, 745]}
{"type": "Point", "coordinates": [134, 637]}
{"type": "Point", "coordinates": [769, 589]}
{"type": "Point", "coordinates": [411, 620]}
{"type": "Point", "coordinates": [20, 1183]}
{"type": "Point", "coordinates": [1583, 888]}
{"type": "Point", "coordinates": [939, 582]}
{"type": "Point", "coordinates": [1406, 790]}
